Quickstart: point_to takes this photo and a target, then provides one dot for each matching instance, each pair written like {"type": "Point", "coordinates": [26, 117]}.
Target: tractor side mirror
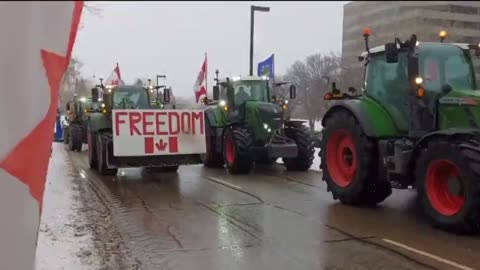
{"type": "Point", "coordinates": [391, 52]}
{"type": "Point", "coordinates": [166, 95]}
{"type": "Point", "coordinates": [293, 92]}
{"type": "Point", "coordinates": [216, 92]}
{"type": "Point", "coordinates": [446, 88]}
{"type": "Point", "coordinates": [68, 106]}
{"type": "Point", "coordinates": [95, 94]}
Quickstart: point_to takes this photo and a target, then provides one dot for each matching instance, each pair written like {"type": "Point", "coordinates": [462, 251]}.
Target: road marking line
{"type": "Point", "coordinates": [426, 254]}
{"type": "Point", "coordinates": [223, 182]}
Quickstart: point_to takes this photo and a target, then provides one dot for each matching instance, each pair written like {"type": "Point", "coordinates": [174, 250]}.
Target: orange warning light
{"type": "Point", "coordinates": [367, 32]}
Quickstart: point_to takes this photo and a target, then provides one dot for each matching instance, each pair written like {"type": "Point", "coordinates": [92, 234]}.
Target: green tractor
{"type": "Point", "coordinates": [75, 128]}
{"type": "Point", "coordinates": [416, 123]}
{"type": "Point", "coordinates": [246, 126]}
{"type": "Point", "coordinates": [100, 129]}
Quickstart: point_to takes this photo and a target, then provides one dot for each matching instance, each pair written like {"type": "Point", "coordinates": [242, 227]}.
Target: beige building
{"type": "Point", "coordinates": [389, 19]}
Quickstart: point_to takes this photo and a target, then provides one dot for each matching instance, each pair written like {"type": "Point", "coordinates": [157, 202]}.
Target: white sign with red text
{"type": "Point", "coordinates": [158, 132]}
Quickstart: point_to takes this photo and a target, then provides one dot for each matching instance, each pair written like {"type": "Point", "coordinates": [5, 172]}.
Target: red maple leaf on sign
{"type": "Point", "coordinates": [161, 146]}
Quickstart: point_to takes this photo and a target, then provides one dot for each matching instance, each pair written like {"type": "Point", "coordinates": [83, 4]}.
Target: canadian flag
{"type": "Point", "coordinates": [37, 52]}
{"type": "Point", "coordinates": [115, 78]}
{"type": "Point", "coordinates": [200, 87]}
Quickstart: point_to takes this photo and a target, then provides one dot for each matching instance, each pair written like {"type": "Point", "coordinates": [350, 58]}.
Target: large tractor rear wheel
{"type": "Point", "coordinates": [75, 143]}
{"type": "Point", "coordinates": [211, 157]}
{"type": "Point", "coordinates": [92, 149]}
{"type": "Point", "coordinates": [236, 150]}
{"type": "Point", "coordinates": [102, 158]}
{"type": "Point", "coordinates": [448, 182]}
{"type": "Point", "coordinates": [301, 135]}
{"type": "Point", "coordinates": [349, 162]}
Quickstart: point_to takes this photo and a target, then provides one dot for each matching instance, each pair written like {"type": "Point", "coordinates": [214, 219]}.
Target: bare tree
{"type": "Point", "coordinates": [138, 82]}
{"type": "Point", "coordinates": [92, 8]}
{"type": "Point", "coordinates": [311, 78]}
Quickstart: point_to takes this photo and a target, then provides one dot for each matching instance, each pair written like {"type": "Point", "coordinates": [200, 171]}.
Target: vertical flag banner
{"type": "Point", "coordinates": [35, 57]}
{"type": "Point", "coordinates": [267, 68]}
{"type": "Point", "coordinates": [115, 78]}
{"type": "Point", "coordinates": [200, 87]}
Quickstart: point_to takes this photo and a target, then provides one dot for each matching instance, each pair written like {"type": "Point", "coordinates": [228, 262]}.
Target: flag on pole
{"type": "Point", "coordinates": [40, 60]}
{"type": "Point", "coordinates": [267, 68]}
{"type": "Point", "coordinates": [115, 78]}
{"type": "Point", "coordinates": [200, 87]}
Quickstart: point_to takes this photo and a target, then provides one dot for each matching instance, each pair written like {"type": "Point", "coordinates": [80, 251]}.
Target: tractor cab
{"type": "Point", "coordinates": [128, 97]}
{"type": "Point", "coordinates": [248, 100]}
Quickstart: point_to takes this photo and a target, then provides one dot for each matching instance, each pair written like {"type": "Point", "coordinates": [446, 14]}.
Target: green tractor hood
{"type": "Point", "coordinates": [263, 118]}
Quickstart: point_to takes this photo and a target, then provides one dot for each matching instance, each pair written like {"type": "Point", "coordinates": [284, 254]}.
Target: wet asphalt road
{"type": "Point", "coordinates": [202, 218]}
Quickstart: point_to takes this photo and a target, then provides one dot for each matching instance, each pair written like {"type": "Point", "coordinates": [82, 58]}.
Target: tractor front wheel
{"type": "Point", "coordinates": [236, 150]}
{"type": "Point", "coordinates": [301, 136]}
{"type": "Point", "coordinates": [92, 149]}
{"type": "Point", "coordinates": [349, 162]}
{"type": "Point", "coordinates": [211, 158]}
{"type": "Point", "coordinates": [102, 152]}
{"type": "Point", "coordinates": [448, 182]}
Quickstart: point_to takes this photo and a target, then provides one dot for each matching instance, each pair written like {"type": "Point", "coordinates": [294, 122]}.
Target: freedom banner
{"type": "Point", "coordinates": [158, 132]}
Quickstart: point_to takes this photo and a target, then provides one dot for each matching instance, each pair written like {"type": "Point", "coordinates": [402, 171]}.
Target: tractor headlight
{"type": "Point", "coordinates": [222, 103]}
{"type": "Point", "coordinates": [269, 130]}
{"type": "Point", "coordinates": [286, 101]}
{"type": "Point", "coordinates": [103, 105]}
{"type": "Point", "coordinates": [100, 99]}
{"type": "Point", "coordinates": [265, 126]}
{"type": "Point", "coordinates": [83, 99]}
{"type": "Point", "coordinates": [418, 80]}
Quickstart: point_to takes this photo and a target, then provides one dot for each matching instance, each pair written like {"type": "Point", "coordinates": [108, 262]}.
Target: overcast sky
{"type": "Point", "coordinates": [149, 38]}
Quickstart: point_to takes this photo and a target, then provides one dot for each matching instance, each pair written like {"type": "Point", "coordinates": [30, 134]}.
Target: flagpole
{"type": "Point", "coordinates": [206, 74]}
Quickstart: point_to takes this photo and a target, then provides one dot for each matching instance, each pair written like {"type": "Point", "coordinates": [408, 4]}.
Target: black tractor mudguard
{"type": "Point", "coordinates": [354, 107]}
{"type": "Point", "coordinates": [450, 132]}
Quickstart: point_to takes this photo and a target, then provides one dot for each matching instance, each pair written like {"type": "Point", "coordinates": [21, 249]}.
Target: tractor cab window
{"type": "Point", "coordinates": [388, 84]}
{"type": "Point", "coordinates": [130, 98]}
{"type": "Point", "coordinates": [445, 64]}
{"type": "Point", "coordinates": [250, 90]}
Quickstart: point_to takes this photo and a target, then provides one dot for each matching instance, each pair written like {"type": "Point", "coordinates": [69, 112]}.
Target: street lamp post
{"type": "Point", "coordinates": [252, 23]}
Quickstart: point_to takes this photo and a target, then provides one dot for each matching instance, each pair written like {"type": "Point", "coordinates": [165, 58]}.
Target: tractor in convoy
{"type": "Point", "coordinates": [131, 128]}
{"type": "Point", "coordinates": [75, 130]}
{"type": "Point", "coordinates": [246, 126]}
{"type": "Point", "coordinates": [415, 123]}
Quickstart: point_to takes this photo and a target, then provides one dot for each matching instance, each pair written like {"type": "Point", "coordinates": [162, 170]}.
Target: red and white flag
{"type": "Point", "coordinates": [37, 52]}
{"type": "Point", "coordinates": [115, 77]}
{"type": "Point", "coordinates": [200, 87]}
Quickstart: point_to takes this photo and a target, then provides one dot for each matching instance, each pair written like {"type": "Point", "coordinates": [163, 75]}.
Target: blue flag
{"type": "Point", "coordinates": [266, 68]}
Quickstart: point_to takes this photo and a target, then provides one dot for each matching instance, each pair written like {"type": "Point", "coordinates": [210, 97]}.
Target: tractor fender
{"type": "Point", "coordinates": [447, 133]}
{"type": "Point", "coordinates": [373, 118]}
{"type": "Point", "coordinates": [98, 122]}
{"type": "Point", "coordinates": [355, 108]}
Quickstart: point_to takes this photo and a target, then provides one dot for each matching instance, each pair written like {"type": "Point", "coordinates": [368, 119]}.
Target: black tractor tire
{"type": "Point", "coordinates": [102, 158]}
{"type": "Point", "coordinates": [211, 159]}
{"type": "Point", "coordinates": [265, 160]}
{"type": "Point", "coordinates": [75, 143]}
{"type": "Point", "coordinates": [301, 135]}
{"type": "Point", "coordinates": [349, 162]}
{"type": "Point", "coordinates": [92, 149]}
{"type": "Point", "coordinates": [237, 142]}
{"type": "Point", "coordinates": [66, 136]}
{"type": "Point", "coordinates": [445, 166]}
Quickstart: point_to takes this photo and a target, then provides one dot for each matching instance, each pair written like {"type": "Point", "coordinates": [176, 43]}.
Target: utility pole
{"type": "Point", "coordinates": [252, 24]}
